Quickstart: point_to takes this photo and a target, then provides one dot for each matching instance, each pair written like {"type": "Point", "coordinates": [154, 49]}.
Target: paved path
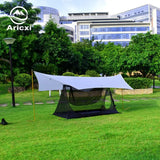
{"type": "Point", "coordinates": [52, 102]}
{"type": "Point", "coordinates": [28, 103]}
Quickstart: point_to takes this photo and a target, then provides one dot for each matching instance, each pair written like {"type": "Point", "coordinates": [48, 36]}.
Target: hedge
{"type": "Point", "coordinates": [84, 75]}
{"type": "Point", "coordinates": [24, 80]}
{"type": "Point", "coordinates": [68, 74]}
{"type": "Point", "coordinates": [92, 73]}
{"type": "Point", "coordinates": [139, 83]}
{"type": "Point", "coordinates": [3, 78]}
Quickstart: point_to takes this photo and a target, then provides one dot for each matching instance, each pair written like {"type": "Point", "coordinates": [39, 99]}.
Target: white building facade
{"type": "Point", "coordinates": [117, 28]}
{"type": "Point", "coordinates": [147, 14]}
{"type": "Point", "coordinates": [46, 14]}
{"type": "Point", "coordinates": [102, 27]}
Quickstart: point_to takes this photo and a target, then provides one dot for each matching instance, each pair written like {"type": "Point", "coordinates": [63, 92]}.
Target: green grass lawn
{"type": "Point", "coordinates": [157, 82]}
{"type": "Point", "coordinates": [25, 96]}
{"type": "Point", "coordinates": [133, 134]}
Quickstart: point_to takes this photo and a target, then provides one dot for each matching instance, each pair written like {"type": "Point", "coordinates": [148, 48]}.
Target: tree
{"type": "Point", "coordinates": [32, 12]}
{"type": "Point", "coordinates": [111, 58]}
{"type": "Point", "coordinates": [125, 64]}
{"type": "Point", "coordinates": [143, 54]}
{"type": "Point", "coordinates": [99, 45]}
{"type": "Point", "coordinates": [56, 47]}
{"type": "Point", "coordinates": [90, 59]}
{"type": "Point", "coordinates": [76, 60]}
{"type": "Point", "coordinates": [25, 50]}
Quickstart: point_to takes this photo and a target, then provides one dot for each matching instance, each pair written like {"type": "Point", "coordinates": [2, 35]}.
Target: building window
{"type": "Point", "coordinates": [113, 36]}
{"type": "Point", "coordinates": [84, 26]}
{"type": "Point", "coordinates": [119, 29]}
{"type": "Point", "coordinates": [84, 32]}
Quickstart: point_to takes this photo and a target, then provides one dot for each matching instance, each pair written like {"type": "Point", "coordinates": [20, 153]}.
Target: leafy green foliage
{"type": "Point", "coordinates": [99, 45]}
{"type": "Point", "coordinates": [68, 74]}
{"type": "Point", "coordinates": [92, 73]}
{"type": "Point", "coordinates": [25, 50]}
{"type": "Point", "coordinates": [32, 12]}
{"type": "Point", "coordinates": [84, 75]}
{"type": "Point", "coordinates": [45, 68]}
{"type": "Point", "coordinates": [89, 57]}
{"type": "Point", "coordinates": [111, 58]}
{"type": "Point", "coordinates": [23, 79]}
{"type": "Point", "coordinates": [56, 47]}
{"type": "Point", "coordinates": [142, 54]}
{"type": "Point", "coordinates": [124, 75]}
{"type": "Point", "coordinates": [139, 83]}
{"type": "Point", "coordinates": [3, 78]}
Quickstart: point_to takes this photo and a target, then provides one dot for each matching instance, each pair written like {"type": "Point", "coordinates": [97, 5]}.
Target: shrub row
{"type": "Point", "coordinates": [3, 78]}
{"type": "Point", "coordinates": [23, 79]}
{"type": "Point", "coordinates": [139, 83]}
{"type": "Point", "coordinates": [89, 73]}
{"type": "Point", "coordinates": [68, 74]}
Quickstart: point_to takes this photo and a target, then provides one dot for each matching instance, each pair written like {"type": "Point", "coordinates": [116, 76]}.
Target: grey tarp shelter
{"type": "Point", "coordinates": [82, 96]}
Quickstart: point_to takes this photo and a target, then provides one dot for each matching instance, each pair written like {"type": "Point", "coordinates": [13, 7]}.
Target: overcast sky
{"type": "Point", "coordinates": [112, 6]}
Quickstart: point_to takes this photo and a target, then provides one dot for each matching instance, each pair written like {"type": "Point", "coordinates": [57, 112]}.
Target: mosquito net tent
{"type": "Point", "coordinates": [82, 96]}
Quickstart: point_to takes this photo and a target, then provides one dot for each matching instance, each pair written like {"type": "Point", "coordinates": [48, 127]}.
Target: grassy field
{"type": "Point", "coordinates": [157, 82]}
{"type": "Point", "coordinates": [133, 134]}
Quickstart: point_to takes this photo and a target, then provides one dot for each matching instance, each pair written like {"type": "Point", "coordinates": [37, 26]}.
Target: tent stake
{"type": "Point", "coordinates": [34, 117]}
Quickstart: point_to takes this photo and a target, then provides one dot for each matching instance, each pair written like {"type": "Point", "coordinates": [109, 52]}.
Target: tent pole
{"type": "Point", "coordinates": [34, 117]}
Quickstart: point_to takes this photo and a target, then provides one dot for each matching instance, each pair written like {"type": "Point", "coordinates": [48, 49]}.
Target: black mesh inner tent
{"type": "Point", "coordinates": [84, 103]}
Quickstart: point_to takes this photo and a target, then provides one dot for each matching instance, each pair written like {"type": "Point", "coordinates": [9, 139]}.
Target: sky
{"type": "Point", "coordinates": [73, 6]}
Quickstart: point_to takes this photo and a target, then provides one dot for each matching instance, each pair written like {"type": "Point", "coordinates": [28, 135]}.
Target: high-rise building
{"type": "Point", "coordinates": [117, 28]}
{"type": "Point", "coordinates": [147, 14]}
{"type": "Point", "coordinates": [102, 27]}
{"type": "Point", "coordinates": [46, 14]}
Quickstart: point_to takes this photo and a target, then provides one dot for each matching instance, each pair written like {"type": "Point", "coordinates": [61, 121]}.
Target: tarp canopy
{"type": "Point", "coordinates": [52, 82]}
